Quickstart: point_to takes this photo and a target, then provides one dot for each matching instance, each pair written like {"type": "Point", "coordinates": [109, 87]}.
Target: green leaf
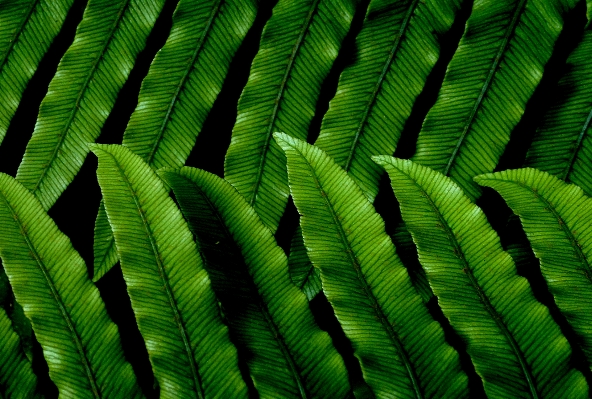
{"type": "Point", "coordinates": [178, 92]}
{"type": "Point", "coordinates": [83, 91]}
{"type": "Point", "coordinates": [287, 353]}
{"type": "Point", "coordinates": [16, 374]}
{"type": "Point", "coordinates": [50, 281]}
{"type": "Point", "coordinates": [494, 72]}
{"type": "Point", "coordinates": [557, 218]}
{"type": "Point", "coordinates": [398, 46]}
{"type": "Point", "coordinates": [302, 272]}
{"type": "Point", "coordinates": [298, 47]}
{"type": "Point", "coordinates": [562, 144]}
{"type": "Point", "coordinates": [27, 28]}
{"type": "Point", "coordinates": [170, 292]}
{"type": "Point", "coordinates": [515, 345]}
{"type": "Point", "coordinates": [401, 348]}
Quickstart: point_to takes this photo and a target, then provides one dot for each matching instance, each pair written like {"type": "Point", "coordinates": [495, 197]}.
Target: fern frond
{"type": "Point", "coordinates": [298, 47]}
{"type": "Point", "coordinates": [287, 353]}
{"type": "Point", "coordinates": [27, 28]}
{"type": "Point", "coordinates": [302, 272]}
{"type": "Point", "coordinates": [170, 292]}
{"type": "Point", "coordinates": [515, 345]}
{"type": "Point", "coordinates": [498, 65]}
{"type": "Point", "coordinates": [49, 279]}
{"type": "Point", "coordinates": [557, 218]}
{"type": "Point", "coordinates": [401, 349]}
{"type": "Point", "coordinates": [562, 144]}
{"type": "Point", "coordinates": [179, 91]}
{"type": "Point", "coordinates": [397, 48]}
{"type": "Point", "coordinates": [16, 374]}
{"type": "Point", "coordinates": [83, 91]}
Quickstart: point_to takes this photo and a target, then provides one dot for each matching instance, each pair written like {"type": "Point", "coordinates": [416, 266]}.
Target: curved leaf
{"type": "Point", "coordinates": [557, 218]}
{"type": "Point", "coordinates": [49, 279]}
{"type": "Point", "coordinates": [562, 144]}
{"type": "Point", "coordinates": [515, 345]}
{"type": "Point", "coordinates": [179, 91]}
{"type": "Point", "coordinates": [498, 65]}
{"type": "Point", "coordinates": [302, 272]}
{"type": "Point", "coordinates": [16, 374]}
{"type": "Point", "coordinates": [401, 348]}
{"type": "Point", "coordinates": [298, 47]}
{"type": "Point", "coordinates": [83, 91]}
{"type": "Point", "coordinates": [288, 354]}
{"type": "Point", "coordinates": [397, 48]}
{"type": "Point", "coordinates": [170, 292]}
{"type": "Point", "coordinates": [27, 28]}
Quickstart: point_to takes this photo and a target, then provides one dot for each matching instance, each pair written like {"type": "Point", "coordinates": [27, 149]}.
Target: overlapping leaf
{"type": "Point", "coordinates": [302, 271]}
{"type": "Point", "coordinates": [170, 292]}
{"type": "Point", "coordinates": [83, 91]}
{"type": "Point", "coordinates": [16, 374]}
{"type": "Point", "coordinates": [396, 50]}
{"type": "Point", "coordinates": [401, 348]}
{"type": "Point", "coordinates": [287, 353]}
{"type": "Point", "coordinates": [298, 47]}
{"type": "Point", "coordinates": [557, 218]}
{"type": "Point", "coordinates": [515, 345]}
{"type": "Point", "coordinates": [562, 145]}
{"type": "Point", "coordinates": [493, 74]}
{"type": "Point", "coordinates": [27, 28]}
{"type": "Point", "coordinates": [179, 91]}
{"type": "Point", "coordinates": [49, 279]}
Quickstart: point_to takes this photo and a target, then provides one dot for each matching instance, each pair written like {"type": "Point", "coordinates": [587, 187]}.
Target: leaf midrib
{"type": "Point", "coordinates": [578, 147]}
{"type": "Point", "coordinates": [74, 111]}
{"type": "Point", "coordinates": [164, 278]}
{"type": "Point", "coordinates": [385, 69]}
{"type": "Point", "coordinates": [253, 288]}
{"type": "Point", "coordinates": [56, 295]}
{"type": "Point", "coordinates": [367, 290]}
{"type": "Point", "coordinates": [181, 85]}
{"type": "Point", "coordinates": [18, 33]}
{"type": "Point", "coordinates": [509, 32]}
{"type": "Point", "coordinates": [467, 270]}
{"type": "Point", "coordinates": [269, 133]}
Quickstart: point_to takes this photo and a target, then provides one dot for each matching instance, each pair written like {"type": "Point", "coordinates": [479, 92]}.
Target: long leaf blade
{"type": "Point", "coordinates": [562, 144]}
{"type": "Point", "coordinates": [498, 65]}
{"type": "Point", "coordinates": [510, 337]}
{"type": "Point", "coordinates": [366, 283]}
{"type": "Point", "coordinates": [49, 279]}
{"type": "Point", "coordinates": [179, 91]}
{"type": "Point", "coordinates": [16, 374]}
{"type": "Point", "coordinates": [398, 46]}
{"type": "Point", "coordinates": [557, 218]}
{"type": "Point", "coordinates": [298, 47]}
{"type": "Point", "coordinates": [170, 292]}
{"type": "Point", "coordinates": [27, 28]}
{"type": "Point", "coordinates": [83, 91]}
{"type": "Point", "coordinates": [287, 353]}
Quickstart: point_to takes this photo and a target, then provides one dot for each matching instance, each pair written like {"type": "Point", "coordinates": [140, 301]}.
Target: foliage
{"type": "Point", "coordinates": [308, 261]}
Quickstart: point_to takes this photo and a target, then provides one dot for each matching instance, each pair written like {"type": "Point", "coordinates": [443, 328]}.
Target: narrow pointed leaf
{"type": "Point", "coordinates": [288, 355]}
{"type": "Point", "coordinates": [27, 28]}
{"type": "Point", "coordinates": [298, 47]}
{"type": "Point", "coordinates": [16, 374]}
{"type": "Point", "coordinates": [515, 345]}
{"type": "Point", "coordinates": [557, 218]}
{"type": "Point", "coordinates": [302, 272]}
{"type": "Point", "coordinates": [170, 292]}
{"type": "Point", "coordinates": [179, 91]}
{"type": "Point", "coordinates": [498, 65]}
{"type": "Point", "coordinates": [562, 144]}
{"type": "Point", "coordinates": [83, 91]}
{"type": "Point", "coordinates": [401, 348]}
{"type": "Point", "coordinates": [49, 279]}
{"type": "Point", "coordinates": [397, 48]}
